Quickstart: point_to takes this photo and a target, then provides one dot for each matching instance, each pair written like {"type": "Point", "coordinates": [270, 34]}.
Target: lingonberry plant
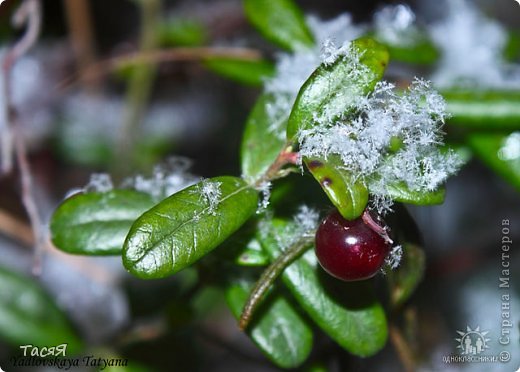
{"type": "Point", "coordinates": [327, 113]}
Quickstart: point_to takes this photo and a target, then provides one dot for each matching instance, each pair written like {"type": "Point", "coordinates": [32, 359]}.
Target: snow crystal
{"type": "Point", "coordinates": [306, 218]}
{"type": "Point", "coordinates": [210, 193]}
{"type": "Point", "coordinates": [99, 182]}
{"type": "Point", "coordinates": [167, 178]}
{"type": "Point", "coordinates": [395, 24]}
{"type": "Point", "coordinates": [265, 189]}
{"type": "Point", "coordinates": [363, 145]}
{"type": "Point", "coordinates": [510, 149]}
{"type": "Point", "coordinates": [471, 46]}
{"type": "Point", "coordinates": [394, 258]}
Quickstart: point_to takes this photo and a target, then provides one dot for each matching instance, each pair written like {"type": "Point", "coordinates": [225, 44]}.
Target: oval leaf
{"type": "Point", "coordinates": [401, 193]}
{"type": "Point", "coordinates": [29, 316]}
{"type": "Point", "coordinates": [278, 330]}
{"type": "Point", "coordinates": [500, 153]}
{"type": "Point", "coordinates": [250, 72]}
{"type": "Point", "coordinates": [348, 196]}
{"type": "Point", "coordinates": [483, 109]}
{"type": "Point", "coordinates": [187, 225]}
{"type": "Point", "coordinates": [261, 143]}
{"type": "Point", "coordinates": [280, 21]}
{"type": "Point", "coordinates": [404, 280]}
{"type": "Point", "coordinates": [97, 223]}
{"type": "Point", "coordinates": [333, 88]}
{"type": "Point", "coordinates": [353, 319]}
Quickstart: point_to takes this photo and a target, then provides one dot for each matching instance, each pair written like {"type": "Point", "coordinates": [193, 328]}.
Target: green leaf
{"type": "Point", "coordinates": [183, 32]}
{"type": "Point", "coordinates": [281, 22]}
{"type": "Point", "coordinates": [484, 109]}
{"type": "Point", "coordinates": [347, 312]}
{"type": "Point", "coordinates": [97, 223]}
{"type": "Point", "coordinates": [187, 225]}
{"type": "Point", "coordinates": [250, 72]}
{"type": "Point", "coordinates": [333, 89]}
{"type": "Point", "coordinates": [243, 247]}
{"type": "Point", "coordinates": [500, 153]}
{"type": "Point", "coordinates": [415, 47]}
{"type": "Point", "coordinates": [348, 195]}
{"type": "Point", "coordinates": [277, 329]}
{"type": "Point", "coordinates": [404, 280]}
{"type": "Point", "coordinates": [260, 144]}
{"type": "Point", "coordinates": [28, 315]}
{"type": "Point", "coordinates": [401, 193]}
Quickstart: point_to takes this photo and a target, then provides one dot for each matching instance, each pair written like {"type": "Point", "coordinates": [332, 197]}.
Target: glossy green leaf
{"type": "Point", "coordinates": [252, 255]}
{"type": "Point", "coordinates": [28, 315]}
{"type": "Point", "coordinates": [97, 223]}
{"type": "Point", "coordinates": [250, 72]}
{"type": "Point", "coordinates": [499, 152]}
{"type": "Point", "coordinates": [349, 196]}
{"type": "Point", "coordinates": [415, 47]}
{"type": "Point", "coordinates": [404, 279]}
{"type": "Point", "coordinates": [187, 225]}
{"type": "Point", "coordinates": [260, 144]}
{"type": "Point", "coordinates": [281, 22]}
{"type": "Point", "coordinates": [277, 329]}
{"type": "Point", "coordinates": [331, 90]}
{"type": "Point", "coordinates": [401, 193]}
{"type": "Point", "coordinates": [347, 312]}
{"type": "Point", "coordinates": [483, 109]}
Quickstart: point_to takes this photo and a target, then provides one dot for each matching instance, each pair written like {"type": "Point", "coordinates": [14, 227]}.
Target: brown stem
{"type": "Point", "coordinates": [268, 278]}
{"type": "Point", "coordinates": [368, 220]}
{"type": "Point", "coordinates": [16, 229]}
{"type": "Point", "coordinates": [402, 348]}
{"type": "Point", "coordinates": [178, 54]}
{"type": "Point", "coordinates": [286, 156]}
{"type": "Point", "coordinates": [82, 37]}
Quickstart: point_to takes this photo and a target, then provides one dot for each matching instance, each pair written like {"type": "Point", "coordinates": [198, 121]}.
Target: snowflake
{"type": "Point", "coordinates": [210, 194]}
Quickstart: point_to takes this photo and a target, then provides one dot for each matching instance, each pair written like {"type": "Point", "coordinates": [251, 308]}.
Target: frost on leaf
{"type": "Point", "coordinates": [166, 179]}
{"type": "Point", "coordinates": [210, 194]}
{"type": "Point", "coordinates": [265, 189]}
{"type": "Point", "coordinates": [304, 223]}
{"type": "Point", "coordinates": [394, 257]}
{"type": "Point", "coordinates": [99, 182]}
{"type": "Point", "coordinates": [292, 70]}
{"type": "Point", "coordinates": [366, 144]}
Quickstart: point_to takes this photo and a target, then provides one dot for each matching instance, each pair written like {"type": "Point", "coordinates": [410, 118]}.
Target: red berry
{"type": "Point", "coordinates": [350, 250]}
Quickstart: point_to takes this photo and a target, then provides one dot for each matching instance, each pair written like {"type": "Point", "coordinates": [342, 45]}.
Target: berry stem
{"type": "Point", "coordinates": [275, 171]}
{"type": "Point", "coordinates": [269, 276]}
{"type": "Point", "coordinates": [369, 221]}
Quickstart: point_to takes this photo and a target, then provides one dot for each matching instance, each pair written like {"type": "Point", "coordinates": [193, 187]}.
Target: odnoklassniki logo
{"type": "Point", "coordinates": [473, 341]}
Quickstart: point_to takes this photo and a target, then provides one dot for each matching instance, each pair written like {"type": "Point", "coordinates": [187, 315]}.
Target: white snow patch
{"type": "Point", "coordinates": [471, 46]}
{"type": "Point", "coordinates": [99, 182]}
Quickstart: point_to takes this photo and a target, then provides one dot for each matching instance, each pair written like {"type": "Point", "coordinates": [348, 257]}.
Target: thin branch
{"type": "Point", "coordinates": [82, 37]}
{"type": "Point", "coordinates": [139, 88]}
{"type": "Point", "coordinates": [16, 229]}
{"type": "Point", "coordinates": [28, 14]}
{"type": "Point", "coordinates": [269, 276]}
{"type": "Point", "coordinates": [180, 54]}
{"type": "Point", "coordinates": [402, 348]}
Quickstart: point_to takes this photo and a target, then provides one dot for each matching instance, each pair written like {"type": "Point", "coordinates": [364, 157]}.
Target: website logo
{"type": "Point", "coordinates": [473, 341]}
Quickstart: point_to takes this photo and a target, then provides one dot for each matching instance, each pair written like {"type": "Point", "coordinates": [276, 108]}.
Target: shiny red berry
{"type": "Point", "coordinates": [350, 250]}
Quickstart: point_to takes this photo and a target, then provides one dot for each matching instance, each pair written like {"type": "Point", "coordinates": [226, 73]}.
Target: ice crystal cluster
{"type": "Point", "coordinates": [395, 24]}
{"type": "Point", "coordinates": [166, 179]}
{"type": "Point", "coordinates": [394, 140]}
{"type": "Point", "coordinates": [210, 194]}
